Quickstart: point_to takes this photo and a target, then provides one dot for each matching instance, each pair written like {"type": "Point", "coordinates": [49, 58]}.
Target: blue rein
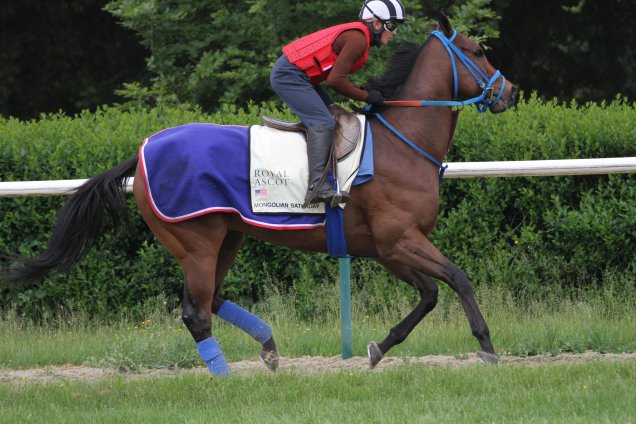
{"type": "Point", "coordinates": [442, 167]}
{"type": "Point", "coordinates": [481, 102]}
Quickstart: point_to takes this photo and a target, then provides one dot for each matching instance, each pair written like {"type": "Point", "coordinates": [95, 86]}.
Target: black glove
{"type": "Point", "coordinates": [375, 97]}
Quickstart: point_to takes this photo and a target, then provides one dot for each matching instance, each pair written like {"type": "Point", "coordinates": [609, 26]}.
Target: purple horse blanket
{"type": "Point", "coordinates": [196, 169]}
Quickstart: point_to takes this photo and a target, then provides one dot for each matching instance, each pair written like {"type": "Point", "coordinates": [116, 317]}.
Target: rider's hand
{"type": "Point", "coordinates": [375, 97]}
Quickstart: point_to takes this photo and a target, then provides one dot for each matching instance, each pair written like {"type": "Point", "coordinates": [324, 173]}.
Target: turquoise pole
{"type": "Point", "coordinates": [345, 307]}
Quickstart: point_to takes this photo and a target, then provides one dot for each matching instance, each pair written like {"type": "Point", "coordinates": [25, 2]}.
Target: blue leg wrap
{"type": "Point", "coordinates": [212, 355]}
{"type": "Point", "coordinates": [246, 321]}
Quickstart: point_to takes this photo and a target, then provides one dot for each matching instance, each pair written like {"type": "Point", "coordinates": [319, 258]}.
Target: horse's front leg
{"type": "Point", "coordinates": [428, 291]}
{"type": "Point", "coordinates": [414, 250]}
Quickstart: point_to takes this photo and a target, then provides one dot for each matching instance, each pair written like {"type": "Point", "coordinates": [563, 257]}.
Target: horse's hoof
{"type": "Point", "coordinates": [269, 358]}
{"type": "Point", "coordinates": [375, 354]}
{"type": "Point", "coordinates": [487, 358]}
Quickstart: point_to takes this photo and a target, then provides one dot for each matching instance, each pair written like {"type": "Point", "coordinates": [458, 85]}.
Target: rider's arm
{"type": "Point", "coordinates": [350, 46]}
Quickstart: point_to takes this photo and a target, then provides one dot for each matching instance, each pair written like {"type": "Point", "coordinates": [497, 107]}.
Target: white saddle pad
{"type": "Point", "coordinates": [279, 170]}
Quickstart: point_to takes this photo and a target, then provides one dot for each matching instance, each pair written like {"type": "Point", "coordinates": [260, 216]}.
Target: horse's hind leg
{"type": "Point", "coordinates": [445, 270]}
{"type": "Point", "coordinates": [200, 245]}
{"type": "Point", "coordinates": [234, 314]}
{"type": "Point", "coordinates": [428, 291]}
{"type": "Point", "coordinates": [415, 251]}
{"type": "Point", "coordinates": [195, 244]}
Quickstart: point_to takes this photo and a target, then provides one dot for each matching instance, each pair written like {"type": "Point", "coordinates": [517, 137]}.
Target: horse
{"type": "Point", "coordinates": [388, 218]}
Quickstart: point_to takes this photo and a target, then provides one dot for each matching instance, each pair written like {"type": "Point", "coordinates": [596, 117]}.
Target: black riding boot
{"type": "Point", "coordinates": [318, 148]}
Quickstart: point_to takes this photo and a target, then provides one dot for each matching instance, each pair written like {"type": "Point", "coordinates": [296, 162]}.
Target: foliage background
{"type": "Point", "coordinates": [65, 55]}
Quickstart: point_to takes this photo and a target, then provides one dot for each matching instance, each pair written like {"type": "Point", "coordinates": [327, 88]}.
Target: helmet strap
{"type": "Point", "coordinates": [376, 34]}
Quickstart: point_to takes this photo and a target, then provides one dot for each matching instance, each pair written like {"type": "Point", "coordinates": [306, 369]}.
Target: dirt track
{"type": "Point", "coordinates": [306, 365]}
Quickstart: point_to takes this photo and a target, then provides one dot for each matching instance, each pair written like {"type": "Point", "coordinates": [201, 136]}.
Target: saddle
{"type": "Point", "coordinates": [346, 136]}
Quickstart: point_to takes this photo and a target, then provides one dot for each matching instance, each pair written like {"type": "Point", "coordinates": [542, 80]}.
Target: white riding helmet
{"type": "Point", "coordinates": [382, 10]}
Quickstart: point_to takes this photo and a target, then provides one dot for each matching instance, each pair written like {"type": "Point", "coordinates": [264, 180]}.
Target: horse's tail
{"type": "Point", "coordinates": [79, 225]}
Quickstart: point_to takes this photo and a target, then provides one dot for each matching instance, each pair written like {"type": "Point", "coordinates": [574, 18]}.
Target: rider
{"type": "Point", "coordinates": [330, 55]}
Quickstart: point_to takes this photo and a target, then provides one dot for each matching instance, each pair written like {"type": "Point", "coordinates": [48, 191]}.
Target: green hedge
{"type": "Point", "coordinates": [527, 233]}
{"type": "Point", "coordinates": [539, 231]}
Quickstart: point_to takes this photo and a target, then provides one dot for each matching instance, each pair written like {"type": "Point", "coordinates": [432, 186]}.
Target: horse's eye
{"type": "Point", "coordinates": [479, 53]}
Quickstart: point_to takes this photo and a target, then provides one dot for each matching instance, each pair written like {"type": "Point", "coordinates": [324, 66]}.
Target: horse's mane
{"type": "Point", "coordinates": [396, 73]}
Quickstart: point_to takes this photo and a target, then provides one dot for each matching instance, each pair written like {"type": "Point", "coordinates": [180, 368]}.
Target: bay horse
{"type": "Point", "coordinates": [388, 218]}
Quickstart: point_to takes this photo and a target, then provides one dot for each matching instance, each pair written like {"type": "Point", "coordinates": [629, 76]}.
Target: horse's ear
{"type": "Point", "coordinates": [444, 24]}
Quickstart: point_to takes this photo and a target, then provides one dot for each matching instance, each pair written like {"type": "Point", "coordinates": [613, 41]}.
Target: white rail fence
{"type": "Point", "coordinates": [530, 168]}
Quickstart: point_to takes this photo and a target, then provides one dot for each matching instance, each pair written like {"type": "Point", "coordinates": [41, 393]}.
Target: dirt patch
{"type": "Point", "coordinates": [306, 365]}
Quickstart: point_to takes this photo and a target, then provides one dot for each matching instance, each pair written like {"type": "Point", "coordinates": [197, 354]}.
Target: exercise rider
{"type": "Point", "coordinates": [329, 56]}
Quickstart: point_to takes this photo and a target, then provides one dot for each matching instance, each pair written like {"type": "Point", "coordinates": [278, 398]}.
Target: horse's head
{"type": "Point", "coordinates": [475, 80]}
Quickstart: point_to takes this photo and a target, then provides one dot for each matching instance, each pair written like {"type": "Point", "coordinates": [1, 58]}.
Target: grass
{"type": "Point", "coordinates": [557, 393]}
{"type": "Point", "coordinates": [599, 319]}
{"type": "Point", "coordinates": [567, 321]}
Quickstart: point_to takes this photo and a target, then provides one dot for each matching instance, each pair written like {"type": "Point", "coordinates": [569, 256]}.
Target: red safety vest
{"type": "Point", "coordinates": [314, 55]}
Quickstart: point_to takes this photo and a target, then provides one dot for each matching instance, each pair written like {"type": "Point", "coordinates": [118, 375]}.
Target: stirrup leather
{"type": "Point", "coordinates": [279, 124]}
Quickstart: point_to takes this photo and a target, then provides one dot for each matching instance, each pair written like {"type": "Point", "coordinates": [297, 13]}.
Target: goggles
{"type": "Point", "coordinates": [390, 26]}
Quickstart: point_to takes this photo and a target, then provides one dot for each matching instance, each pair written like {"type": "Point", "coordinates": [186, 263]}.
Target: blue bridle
{"type": "Point", "coordinates": [482, 102]}
{"type": "Point", "coordinates": [485, 99]}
